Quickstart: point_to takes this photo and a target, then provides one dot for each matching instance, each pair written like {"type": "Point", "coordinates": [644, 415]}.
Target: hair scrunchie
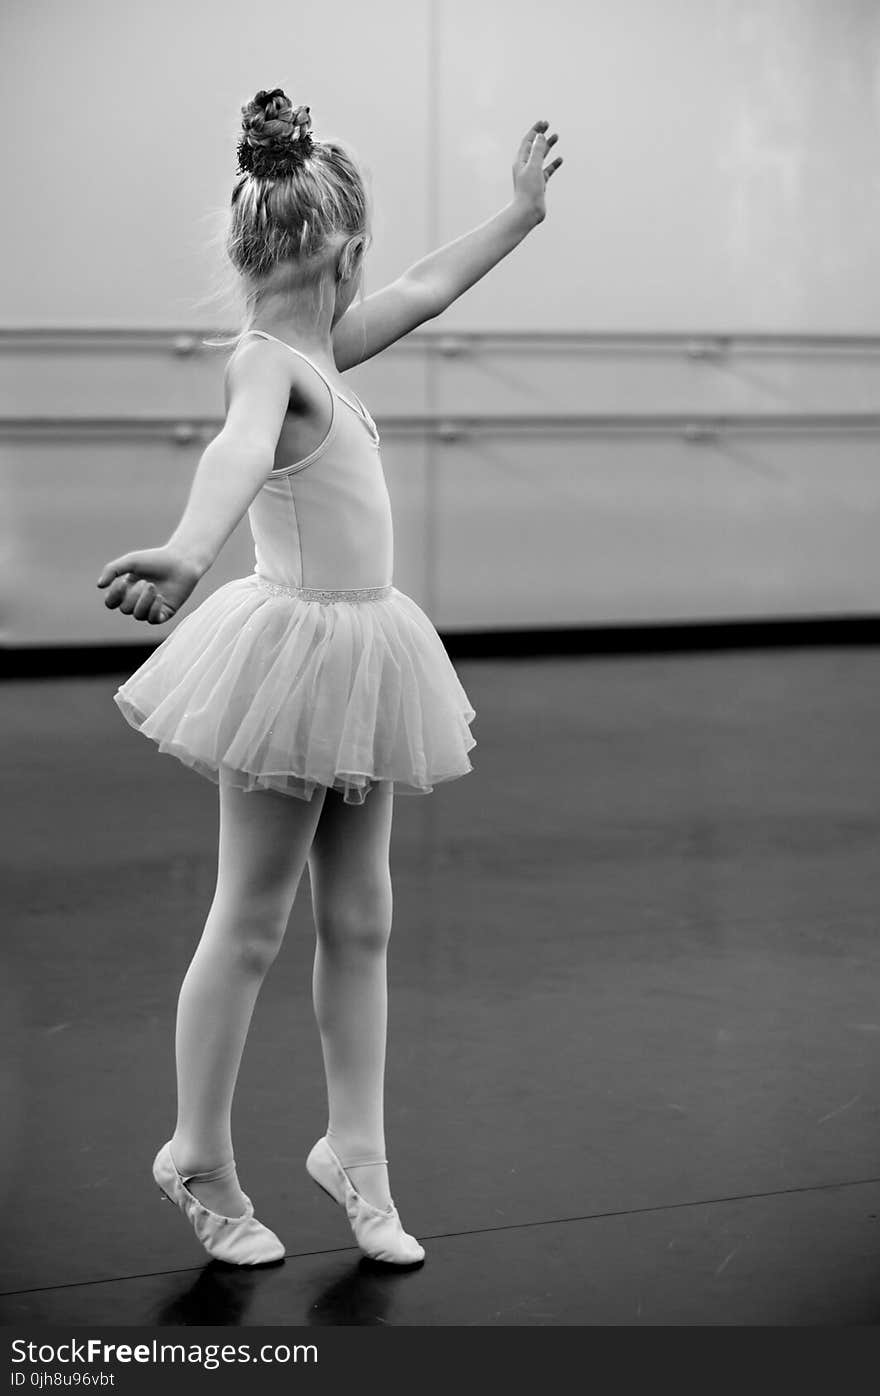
{"type": "Point", "coordinates": [276, 136]}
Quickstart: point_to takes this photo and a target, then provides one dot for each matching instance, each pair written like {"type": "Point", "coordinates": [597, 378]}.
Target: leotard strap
{"type": "Point", "coordinates": [319, 450]}
{"type": "Point", "coordinates": [360, 409]}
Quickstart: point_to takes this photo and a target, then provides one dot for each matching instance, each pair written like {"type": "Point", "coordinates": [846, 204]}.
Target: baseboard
{"type": "Point", "coordinates": [67, 661]}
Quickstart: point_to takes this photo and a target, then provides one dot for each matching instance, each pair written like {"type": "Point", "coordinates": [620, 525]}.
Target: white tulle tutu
{"type": "Point", "coordinates": [262, 689]}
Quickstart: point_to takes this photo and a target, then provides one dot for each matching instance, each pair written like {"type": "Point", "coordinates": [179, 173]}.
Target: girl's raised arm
{"type": "Point", "coordinates": [429, 286]}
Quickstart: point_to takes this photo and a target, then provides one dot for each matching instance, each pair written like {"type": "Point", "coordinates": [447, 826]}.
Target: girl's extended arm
{"type": "Point", "coordinates": [450, 271]}
{"type": "Point", "coordinates": [229, 474]}
{"type": "Point", "coordinates": [234, 466]}
{"type": "Point", "coordinates": [151, 584]}
{"type": "Point", "coordinates": [429, 286]}
{"type": "Point", "coordinates": [454, 268]}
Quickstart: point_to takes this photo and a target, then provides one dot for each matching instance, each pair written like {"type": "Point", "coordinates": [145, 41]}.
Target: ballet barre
{"type": "Point", "coordinates": [451, 428]}
{"type": "Point", "coordinates": [692, 344]}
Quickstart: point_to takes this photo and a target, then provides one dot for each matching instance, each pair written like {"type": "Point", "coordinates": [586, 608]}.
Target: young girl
{"type": "Point", "coordinates": [313, 677]}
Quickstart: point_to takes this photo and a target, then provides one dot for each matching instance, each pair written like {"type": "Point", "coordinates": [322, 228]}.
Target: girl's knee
{"type": "Point", "coordinates": [361, 926]}
{"type": "Point", "coordinates": [256, 952]}
{"type": "Point", "coordinates": [254, 933]}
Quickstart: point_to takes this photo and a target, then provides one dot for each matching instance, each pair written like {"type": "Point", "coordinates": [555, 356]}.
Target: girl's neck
{"type": "Point", "coordinates": [309, 341]}
{"type": "Point", "coordinates": [301, 320]}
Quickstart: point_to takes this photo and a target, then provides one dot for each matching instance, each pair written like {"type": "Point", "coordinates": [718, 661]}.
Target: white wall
{"type": "Point", "coordinates": [721, 160]}
{"type": "Point", "coordinates": [720, 175]}
{"type": "Point", "coordinates": [135, 109]}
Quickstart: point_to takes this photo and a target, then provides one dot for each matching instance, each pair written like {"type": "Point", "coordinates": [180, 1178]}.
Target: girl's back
{"type": "Point", "coordinates": [324, 520]}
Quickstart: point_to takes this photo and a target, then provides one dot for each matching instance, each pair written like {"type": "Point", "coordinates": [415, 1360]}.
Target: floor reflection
{"type": "Point", "coordinates": [221, 1294]}
{"type": "Point", "coordinates": [363, 1294]}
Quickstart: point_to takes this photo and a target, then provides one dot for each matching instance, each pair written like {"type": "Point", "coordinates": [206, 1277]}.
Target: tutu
{"type": "Point", "coordinates": [265, 686]}
{"type": "Point", "coordinates": [273, 685]}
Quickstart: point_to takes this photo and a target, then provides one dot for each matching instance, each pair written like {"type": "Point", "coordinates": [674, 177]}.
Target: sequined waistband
{"type": "Point", "coordinates": [324, 593]}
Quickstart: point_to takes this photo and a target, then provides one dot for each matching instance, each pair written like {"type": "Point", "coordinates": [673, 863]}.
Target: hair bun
{"type": "Point", "coordinates": [276, 136]}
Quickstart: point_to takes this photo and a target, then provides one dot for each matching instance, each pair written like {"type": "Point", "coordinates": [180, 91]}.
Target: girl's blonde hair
{"type": "Point", "coordinates": [295, 203]}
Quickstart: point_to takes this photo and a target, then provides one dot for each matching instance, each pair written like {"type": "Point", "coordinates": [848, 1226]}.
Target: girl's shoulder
{"type": "Point", "coordinates": [306, 392]}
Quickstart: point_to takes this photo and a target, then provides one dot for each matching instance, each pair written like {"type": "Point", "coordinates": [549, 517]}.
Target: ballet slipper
{"type": "Point", "coordinates": [237, 1240]}
{"type": "Point", "coordinates": [378, 1232]}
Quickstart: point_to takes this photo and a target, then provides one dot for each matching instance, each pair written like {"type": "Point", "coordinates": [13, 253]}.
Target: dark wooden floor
{"type": "Point", "coordinates": [634, 1055]}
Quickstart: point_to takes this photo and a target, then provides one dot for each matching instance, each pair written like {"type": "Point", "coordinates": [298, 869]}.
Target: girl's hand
{"type": "Point", "coordinates": [150, 585]}
{"type": "Point", "coordinates": [529, 176]}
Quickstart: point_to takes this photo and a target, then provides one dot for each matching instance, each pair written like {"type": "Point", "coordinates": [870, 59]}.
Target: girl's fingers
{"type": "Point", "coordinates": [144, 602]}
{"type": "Point", "coordinates": [528, 140]}
{"type": "Point", "coordinates": [551, 169]}
{"type": "Point", "coordinates": [137, 597]}
{"type": "Point", "coordinates": [134, 597]}
{"type": "Point", "coordinates": [117, 593]}
{"type": "Point", "coordinates": [538, 147]}
{"type": "Point", "coordinates": [159, 613]}
{"type": "Point", "coordinates": [541, 146]}
{"type": "Point", "coordinates": [114, 570]}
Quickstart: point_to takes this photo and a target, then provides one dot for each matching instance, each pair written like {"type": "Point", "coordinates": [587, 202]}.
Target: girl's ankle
{"type": "Point", "coordinates": [189, 1161]}
{"type": "Point", "coordinates": [356, 1150]}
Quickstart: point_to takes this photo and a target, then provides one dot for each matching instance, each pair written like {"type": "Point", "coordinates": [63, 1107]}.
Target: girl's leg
{"type": "Point", "coordinates": [351, 897]}
{"type": "Point", "coordinates": [264, 843]}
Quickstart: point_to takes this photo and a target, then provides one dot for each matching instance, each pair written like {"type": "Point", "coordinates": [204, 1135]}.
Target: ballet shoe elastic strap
{"type": "Point", "coordinates": [214, 1175]}
{"type": "Point", "coordinates": [351, 1163]}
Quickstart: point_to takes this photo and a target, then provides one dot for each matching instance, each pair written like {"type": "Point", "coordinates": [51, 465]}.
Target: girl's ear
{"type": "Point", "coordinates": [351, 254]}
